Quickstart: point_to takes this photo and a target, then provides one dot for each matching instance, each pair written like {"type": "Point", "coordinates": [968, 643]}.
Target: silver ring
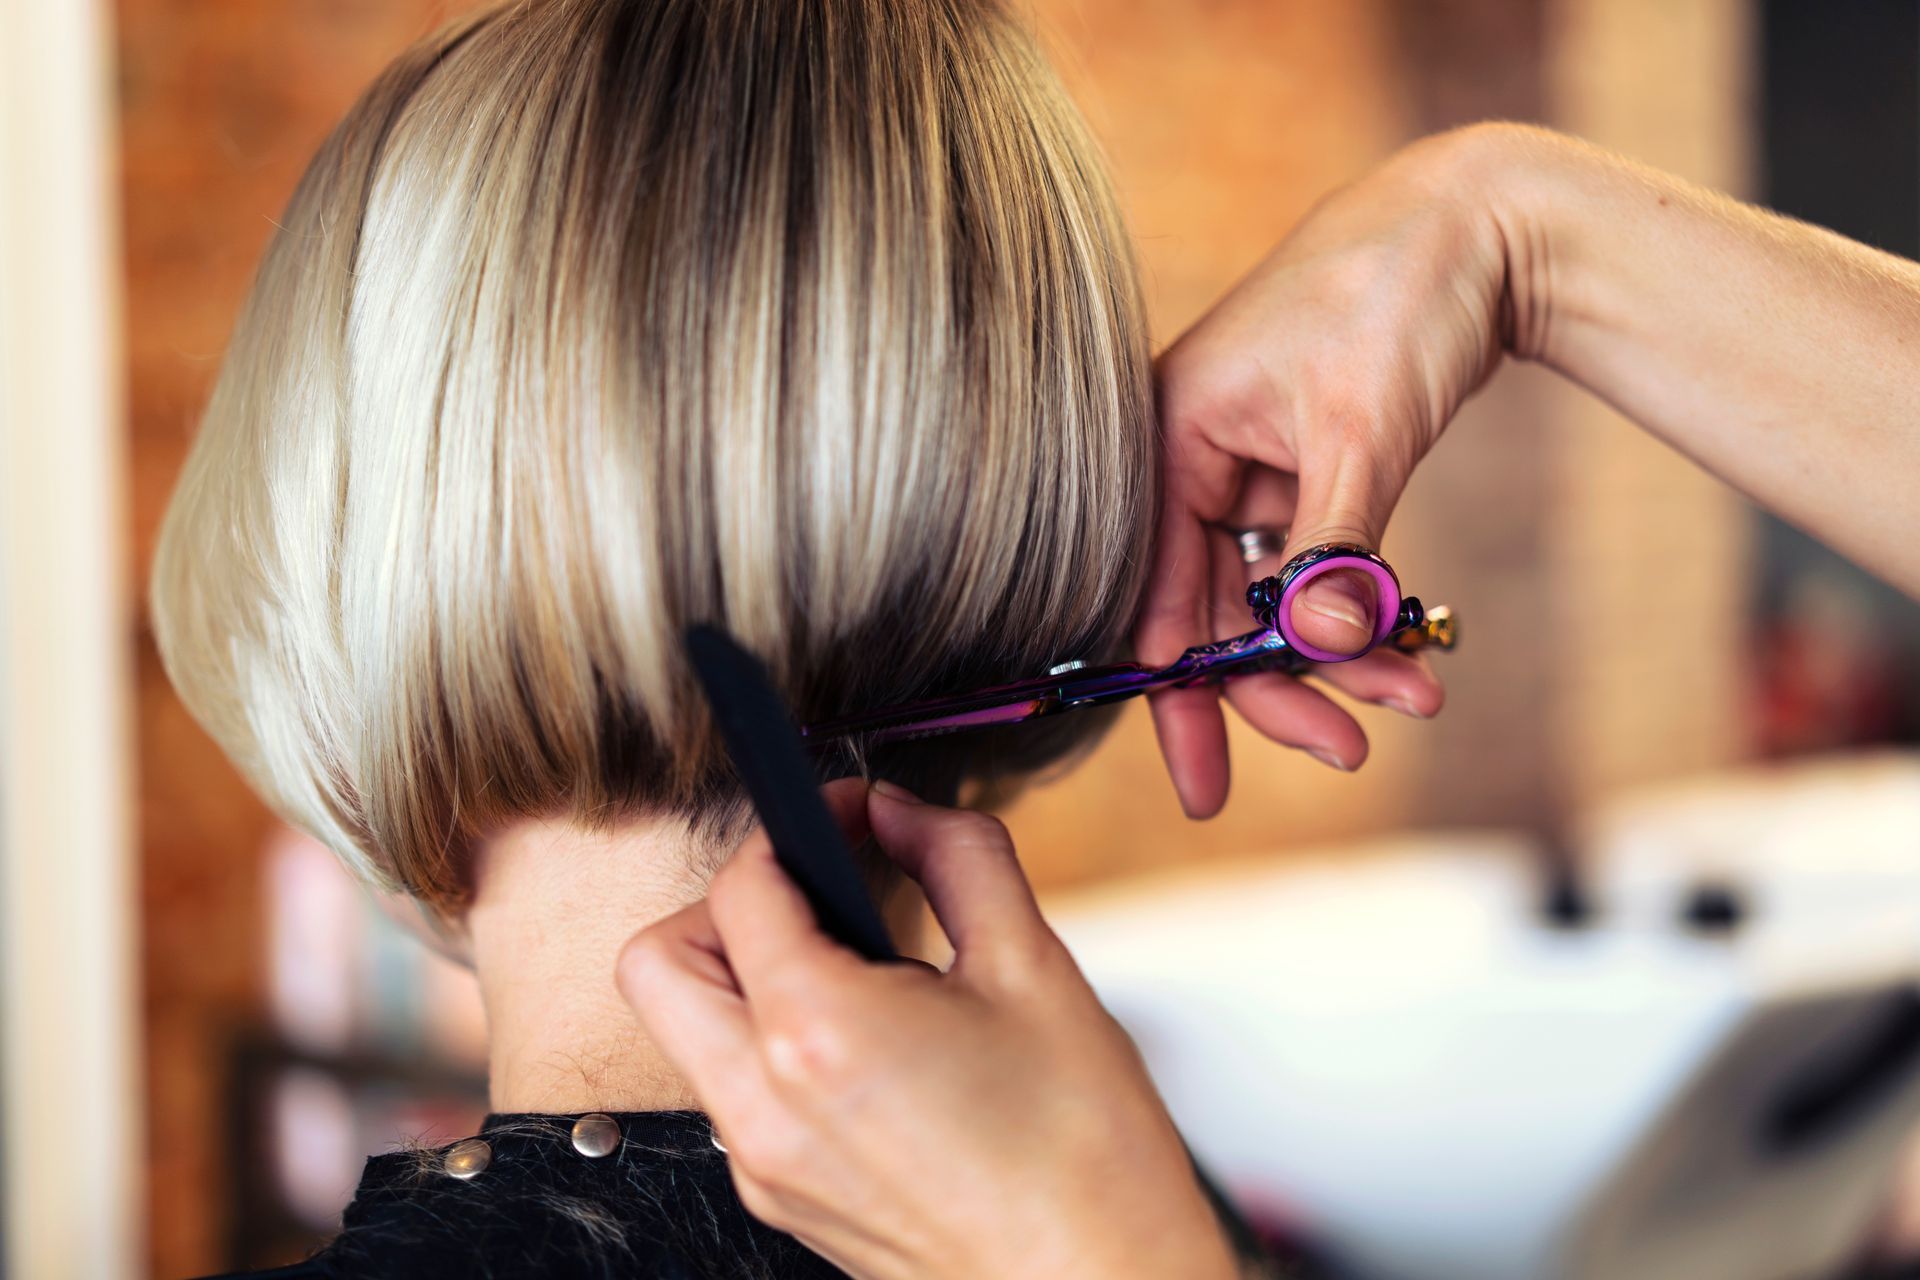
{"type": "Point", "coordinates": [1257, 544]}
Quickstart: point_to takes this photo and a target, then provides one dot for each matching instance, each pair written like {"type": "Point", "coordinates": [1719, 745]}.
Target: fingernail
{"type": "Point", "coordinates": [1329, 759]}
{"type": "Point", "coordinates": [894, 791]}
{"type": "Point", "coordinates": [1406, 708]}
{"type": "Point", "coordinates": [1343, 597]}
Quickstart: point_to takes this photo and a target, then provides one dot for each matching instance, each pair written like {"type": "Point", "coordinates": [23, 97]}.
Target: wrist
{"type": "Point", "coordinates": [1522, 186]}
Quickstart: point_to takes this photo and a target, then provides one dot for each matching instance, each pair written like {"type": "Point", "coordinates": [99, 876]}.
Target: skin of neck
{"type": "Point", "coordinates": [553, 904]}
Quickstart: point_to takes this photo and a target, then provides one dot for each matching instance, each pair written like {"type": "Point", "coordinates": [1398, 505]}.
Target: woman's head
{"type": "Point", "coordinates": [598, 318]}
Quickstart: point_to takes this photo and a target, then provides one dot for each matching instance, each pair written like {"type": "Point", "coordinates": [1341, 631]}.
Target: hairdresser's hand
{"type": "Point", "coordinates": [989, 1121]}
{"type": "Point", "coordinates": [1775, 354]}
{"type": "Point", "coordinates": [1303, 401]}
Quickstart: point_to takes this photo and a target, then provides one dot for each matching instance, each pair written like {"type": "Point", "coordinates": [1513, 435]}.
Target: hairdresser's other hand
{"type": "Point", "coordinates": [992, 1120]}
{"type": "Point", "coordinates": [1304, 399]}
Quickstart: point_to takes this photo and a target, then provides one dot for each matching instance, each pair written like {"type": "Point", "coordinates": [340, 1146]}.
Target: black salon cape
{"type": "Point", "coordinates": [661, 1205]}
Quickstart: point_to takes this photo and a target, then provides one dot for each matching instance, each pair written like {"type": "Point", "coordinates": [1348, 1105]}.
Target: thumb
{"type": "Point", "coordinates": [1342, 499]}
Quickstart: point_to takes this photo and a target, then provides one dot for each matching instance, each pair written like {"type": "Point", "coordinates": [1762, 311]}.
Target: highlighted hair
{"type": "Point", "coordinates": [598, 318]}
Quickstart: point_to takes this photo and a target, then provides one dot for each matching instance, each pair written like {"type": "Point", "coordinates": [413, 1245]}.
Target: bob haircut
{"type": "Point", "coordinates": [598, 318]}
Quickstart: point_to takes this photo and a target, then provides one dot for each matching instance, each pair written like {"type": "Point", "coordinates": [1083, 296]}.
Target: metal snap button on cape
{"type": "Point", "coordinates": [468, 1159]}
{"type": "Point", "coordinates": [596, 1135]}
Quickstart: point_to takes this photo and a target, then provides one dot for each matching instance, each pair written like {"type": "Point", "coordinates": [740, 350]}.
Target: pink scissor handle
{"type": "Point", "coordinates": [1272, 598]}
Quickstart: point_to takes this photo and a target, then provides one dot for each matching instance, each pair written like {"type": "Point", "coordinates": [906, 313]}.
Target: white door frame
{"type": "Point", "coordinates": [71, 1133]}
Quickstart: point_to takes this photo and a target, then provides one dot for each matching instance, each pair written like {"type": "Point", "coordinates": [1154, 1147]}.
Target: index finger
{"type": "Point", "coordinates": [965, 863]}
{"type": "Point", "coordinates": [772, 938]}
{"type": "Point", "coordinates": [674, 975]}
{"type": "Point", "coordinates": [1176, 615]}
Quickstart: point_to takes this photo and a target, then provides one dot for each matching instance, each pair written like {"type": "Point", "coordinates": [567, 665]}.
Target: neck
{"type": "Point", "coordinates": [553, 904]}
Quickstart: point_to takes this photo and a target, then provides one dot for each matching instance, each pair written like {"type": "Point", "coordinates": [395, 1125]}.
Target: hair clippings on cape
{"type": "Point", "coordinates": [1403, 623]}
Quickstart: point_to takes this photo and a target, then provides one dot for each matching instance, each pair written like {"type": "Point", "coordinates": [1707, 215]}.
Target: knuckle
{"type": "Point", "coordinates": [969, 828]}
{"type": "Point", "coordinates": [772, 1155]}
{"type": "Point", "coordinates": [1191, 403]}
{"type": "Point", "coordinates": [1036, 963]}
{"type": "Point", "coordinates": [810, 1053]}
{"type": "Point", "coordinates": [991, 830]}
{"type": "Point", "coordinates": [645, 958]}
{"type": "Point", "coordinates": [760, 1200]}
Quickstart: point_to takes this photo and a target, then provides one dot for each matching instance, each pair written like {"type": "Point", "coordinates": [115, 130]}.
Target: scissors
{"type": "Point", "coordinates": [1404, 624]}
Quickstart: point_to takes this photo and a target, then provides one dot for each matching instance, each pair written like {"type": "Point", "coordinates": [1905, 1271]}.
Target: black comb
{"type": "Point", "coordinates": [765, 747]}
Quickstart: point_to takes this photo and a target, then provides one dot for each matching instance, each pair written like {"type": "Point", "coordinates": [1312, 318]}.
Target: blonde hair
{"type": "Point", "coordinates": [598, 318]}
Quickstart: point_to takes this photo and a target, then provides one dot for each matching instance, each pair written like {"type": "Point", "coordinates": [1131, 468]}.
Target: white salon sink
{"type": "Point", "coordinates": [1386, 1044]}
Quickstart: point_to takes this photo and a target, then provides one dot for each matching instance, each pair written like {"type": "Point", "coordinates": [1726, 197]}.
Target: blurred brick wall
{"type": "Point", "coordinates": [1658, 679]}
{"type": "Point", "coordinates": [222, 103]}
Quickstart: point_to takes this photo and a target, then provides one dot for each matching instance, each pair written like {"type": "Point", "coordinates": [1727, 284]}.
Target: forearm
{"type": "Point", "coordinates": [1783, 358]}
